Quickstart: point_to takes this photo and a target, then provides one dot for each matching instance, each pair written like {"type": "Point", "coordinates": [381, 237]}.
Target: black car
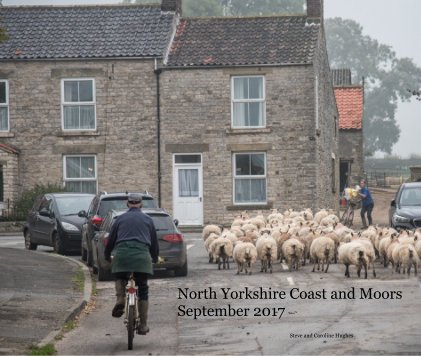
{"type": "Point", "coordinates": [172, 247]}
{"type": "Point", "coordinates": [54, 221]}
{"type": "Point", "coordinates": [405, 209]}
{"type": "Point", "coordinates": [100, 206]}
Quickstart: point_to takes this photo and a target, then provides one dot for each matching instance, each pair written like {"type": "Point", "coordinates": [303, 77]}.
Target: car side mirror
{"type": "Point", "coordinates": [176, 222]}
{"type": "Point", "coordinates": [82, 214]}
{"type": "Point", "coordinates": [393, 203]}
{"type": "Point", "coordinates": [46, 213]}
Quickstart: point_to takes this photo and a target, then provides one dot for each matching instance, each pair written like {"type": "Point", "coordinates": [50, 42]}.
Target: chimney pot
{"type": "Point", "coordinates": [315, 8]}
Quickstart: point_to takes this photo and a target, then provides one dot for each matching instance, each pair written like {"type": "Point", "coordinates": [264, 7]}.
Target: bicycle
{"type": "Point", "coordinates": [131, 309]}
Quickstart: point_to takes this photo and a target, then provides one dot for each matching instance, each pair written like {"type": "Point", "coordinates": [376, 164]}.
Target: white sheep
{"type": "Point", "coordinates": [208, 229]}
{"type": "Point", "coordinates": [292, 250]}
{"type": "Point", "coordinates": [222, 250]}
{"type": "Point", "coordinates": [267, 251]}
{"type": "Point", "coordinates": [353, 253]}
{"type": "Point", "coordinates": [211, 238]}
{"type": "Point", "coordinates": [405, 255]}
{"type": "Point", "coordinates": [245, 255]}
{"type": "Point", "coordinates": [322, 249]}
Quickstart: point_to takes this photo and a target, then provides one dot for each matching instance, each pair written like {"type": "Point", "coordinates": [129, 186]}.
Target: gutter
{"type": "Point", "coordinates": [157, 72]}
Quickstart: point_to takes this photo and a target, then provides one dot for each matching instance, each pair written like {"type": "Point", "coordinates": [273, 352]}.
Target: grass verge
{"type": "Point", "coordinates": [48, 349]}
{"type": "Point", "coordinates": [79, 280]}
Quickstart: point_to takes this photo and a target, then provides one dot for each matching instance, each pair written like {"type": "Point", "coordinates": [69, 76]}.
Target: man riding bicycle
{"type": "Point", "coordinates": [136, 246]}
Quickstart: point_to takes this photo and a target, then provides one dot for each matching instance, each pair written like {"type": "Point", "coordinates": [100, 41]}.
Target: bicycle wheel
{"type": "Point", "coordinates": [351, 217]}
{"type": "Point", "coordinates": [131, 320]}
{"type": "Point", "coordinates": [344, 217]}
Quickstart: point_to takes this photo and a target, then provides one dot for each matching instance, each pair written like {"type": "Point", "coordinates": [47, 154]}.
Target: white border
{"type": "Point", "coordinates": [6, 104]}
{"type": "Point", "coordinates": [65, 179]}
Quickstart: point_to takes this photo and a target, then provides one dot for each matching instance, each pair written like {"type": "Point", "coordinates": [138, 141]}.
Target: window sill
{"type": "Point", "coordinates": [233, 131]}
{"type": "Point", "coordinates": [265, 206]}
{"type": "Point", "coordinates": [77, 133]}
{"type": "Point", "coordinates": [6, 134]}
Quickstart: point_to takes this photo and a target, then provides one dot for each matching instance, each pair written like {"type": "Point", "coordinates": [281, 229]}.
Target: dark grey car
{"type": "Point", "coordinates": [405, 209]}
{"type": "Point", "coordinates": [100, 206]}
{"type": "Point", "coordinates": [54, 221]}
{"type": "Point", "coordinates": [172, 247]}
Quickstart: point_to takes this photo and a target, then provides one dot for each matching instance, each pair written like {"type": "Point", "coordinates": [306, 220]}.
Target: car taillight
{"type": "Point", "coordinates": [173, 238]}
{"type": "Point", "coordinates": [96, 220]}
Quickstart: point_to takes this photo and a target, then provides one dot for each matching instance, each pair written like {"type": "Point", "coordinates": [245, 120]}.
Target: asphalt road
{"type": "Point", "coordinates": [388, 323]}
{"type": "Point", "coordinates": [36, 294]}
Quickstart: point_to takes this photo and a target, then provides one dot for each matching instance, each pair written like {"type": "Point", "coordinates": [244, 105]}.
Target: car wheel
{"type": "Point", "coordinates": [181, 271]}
{"type": "Point", "coordinates": [28, 243]}
{"type": "Point", "coordinates": [104, 274]}
{"type": "Point", "coordinates": [58, 244]}
{"type": "Point", "coordinates": [84, 254]}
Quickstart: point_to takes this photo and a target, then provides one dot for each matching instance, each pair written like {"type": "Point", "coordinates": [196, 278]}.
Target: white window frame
{"type": "Point", "coordinates": [234, 175]}
{"type": "Point", "coordinates": [6, 104]}
{"type": "Point", "coordinates": [263, 101]}
{"type": "Point", "coordinates": [95, 179]}
{"type": "Point", "coordinates": [78, 103]}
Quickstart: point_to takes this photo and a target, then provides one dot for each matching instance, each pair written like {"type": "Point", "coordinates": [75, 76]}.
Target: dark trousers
{"type": "Point", "coordinates": [141, 280]}
{"type": "Point", "coordinates": [367, 209]}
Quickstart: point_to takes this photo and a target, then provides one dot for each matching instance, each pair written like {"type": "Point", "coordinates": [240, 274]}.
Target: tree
{"type": "Point", "coordinates": [386, 79]}
{"type": "Point", "coordinates": [199, 8]}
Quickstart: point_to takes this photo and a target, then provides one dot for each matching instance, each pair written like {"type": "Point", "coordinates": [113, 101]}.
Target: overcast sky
{"type": "Point", "coordinates": [392, 22]}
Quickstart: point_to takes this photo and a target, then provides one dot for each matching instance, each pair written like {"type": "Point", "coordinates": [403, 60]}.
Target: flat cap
{"type": "Point", "coordinates": [134, 198]}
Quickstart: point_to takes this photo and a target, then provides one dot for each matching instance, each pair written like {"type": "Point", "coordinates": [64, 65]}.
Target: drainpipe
{"type": "Point", "coordinates": [157, 72]}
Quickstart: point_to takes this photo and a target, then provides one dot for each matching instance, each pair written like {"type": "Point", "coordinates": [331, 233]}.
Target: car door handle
{"type": "Point", "coordinates": [200, 199]}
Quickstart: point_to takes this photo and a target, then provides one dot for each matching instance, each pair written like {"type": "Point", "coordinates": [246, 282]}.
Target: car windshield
{"type": "Point", "coordinates": [71, 205]}
{"type": "Point", "coordinates": [411, 196]}
{"type": "Point", "coordinates": [120, 203]}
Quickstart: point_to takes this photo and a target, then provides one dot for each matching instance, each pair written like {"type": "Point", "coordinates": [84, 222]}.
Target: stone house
{"type": "Point", "coordinates": [212, 116]}
{"type": "Point", "coordinates": [350, 103]}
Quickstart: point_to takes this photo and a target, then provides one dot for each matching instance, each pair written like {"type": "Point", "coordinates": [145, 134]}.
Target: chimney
{"type": "Point", "coordinates": [315, 8]}
{"type": "Point", "coordinates": [171, 6]}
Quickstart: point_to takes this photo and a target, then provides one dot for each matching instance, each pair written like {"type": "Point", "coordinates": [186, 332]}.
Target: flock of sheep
{"type": "Point", "coordinates": [300, 236]}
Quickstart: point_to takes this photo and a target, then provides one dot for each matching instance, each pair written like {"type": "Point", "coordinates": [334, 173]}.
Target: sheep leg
{"type": "Point", "coordinates": [323, 265]}
{"type": "Point", "coordinates": [270, 265]}
{"type": "Point", "coordinates": [228, 263]}
{"type": "Point", "coordinates": [359, 267]}
{"type": "Point", "coordinates": [374, 270]}
{"type": "Point", "coordinates": [415, 268]}
{"type": "Point", "coordinates": [314, 266]}
{"type": "Point", "coordinates": [365, 269]}
{"type": "Point", "coordinates": [219, 262]}
{"type": "Point", "coordinates": [210, 257]}
{"type": "Point", "coordinates": [327, 265]}
{"type": "Point", "coordinates": [347, 270]}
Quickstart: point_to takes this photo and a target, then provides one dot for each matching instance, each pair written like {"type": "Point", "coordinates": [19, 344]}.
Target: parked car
{"type": "Point", "coordinates": [54, 221]}
{"type": "Point", "coordinates": [405, 209]}
{"type": "Point", "coordinates": [100, 206]}
{"type": "Point", "coordinates": [172, 247]}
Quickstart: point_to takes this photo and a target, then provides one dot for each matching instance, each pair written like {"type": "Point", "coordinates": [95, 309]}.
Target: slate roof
{"type": "Point", "coordinates": [244, 41]}
{"type": "Point", "coordinates": [41, 32]}
{"type": "Point", "coordinates": [350, 101]}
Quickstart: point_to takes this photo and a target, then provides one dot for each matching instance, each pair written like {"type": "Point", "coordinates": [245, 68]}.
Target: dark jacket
{"type": "Point", "coordinates": [133, 225]}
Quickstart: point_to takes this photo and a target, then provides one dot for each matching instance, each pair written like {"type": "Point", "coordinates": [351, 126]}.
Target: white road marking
{"type": "Point", "coordinates": [189, 246]}
{"type": "Point", "coordinates": [290, 281]}
{"type": "Point", "coordinates": [11, 243]}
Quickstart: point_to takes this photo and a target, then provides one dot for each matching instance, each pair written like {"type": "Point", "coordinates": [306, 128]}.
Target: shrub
{"type": "Point", "coordinates": [26, 201]}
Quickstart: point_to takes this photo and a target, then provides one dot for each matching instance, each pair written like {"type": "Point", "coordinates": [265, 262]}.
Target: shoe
{"type": "Point", "coordinates": [143, 316]}
{"type": "Point", "coordinates": [120, 288]}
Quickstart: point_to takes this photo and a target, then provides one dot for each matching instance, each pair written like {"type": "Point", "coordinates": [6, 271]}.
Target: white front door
{"type": "Point", "coordinates": [187, 189]}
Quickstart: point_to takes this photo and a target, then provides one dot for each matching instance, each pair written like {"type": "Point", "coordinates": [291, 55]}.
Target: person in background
{"type": "Point", "coordinates": [367, 203]}
{"type": "Point", "coordinates": [133, 236]}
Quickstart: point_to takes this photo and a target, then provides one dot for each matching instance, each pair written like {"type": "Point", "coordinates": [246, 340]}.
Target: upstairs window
{"type": "Point", "coordinates": [4, 105]}
{"type": "Point", "coordinates": [249, 178]}
{"type": "Point", "coordinates": [78, 104]}
{"type": "Point", "coordinates": [80, 174]}
{"type": "Point", "coordinates": [248, 102]}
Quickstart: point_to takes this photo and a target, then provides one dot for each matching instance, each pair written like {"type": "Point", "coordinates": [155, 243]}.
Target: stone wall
{"type": "Point", "coordinates": [124, 141]}
{"type": "Point", "coordinates": [351, 149]}
{"type": "Point", "coordinates": [197, 110]}
{"type": "Point", "coordinates": [327, 133]}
